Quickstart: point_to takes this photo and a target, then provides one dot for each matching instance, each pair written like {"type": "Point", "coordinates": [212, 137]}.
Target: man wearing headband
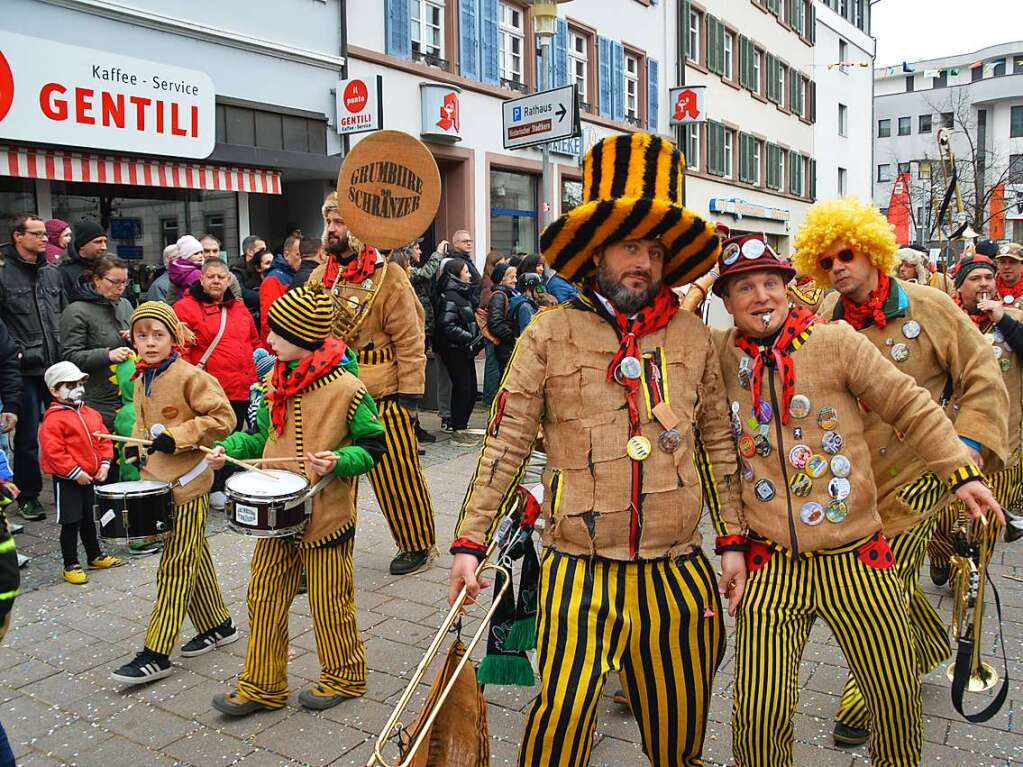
{"type": "Point", "coordinates": [848, 245]}
{"type": "Point", "coordinates": [389, 343]}
{"type": "Point", "coordinates": [808, 542]}
{"type": "Point", "coordinates": [627, 389]}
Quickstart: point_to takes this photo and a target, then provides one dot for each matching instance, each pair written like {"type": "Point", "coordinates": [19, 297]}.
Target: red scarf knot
{"type": "Point", "coordinates": [799, 321]}
{"type": "Point", "coordinates": [309, 370]}
{"type": "Point", "coordinates": [979, 319]}
{"type": "Point", "coordinates": [361, 267]}
{"type": "Point", "coordinates": [858, 314]}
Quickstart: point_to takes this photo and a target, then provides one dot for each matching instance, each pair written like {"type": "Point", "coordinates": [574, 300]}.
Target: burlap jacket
{"type": "Point", "coordinates": [948, 356]}
{"type": "Point", "coordinates": [193, 407]}
{"type": "Point", "coordinates": [557, 379]}
{"type": "Point", "coordinates": [835, 369]}
{"type": "Point", "coordinates": [390, 344]}
{"type": "Point", "coordinates": [1012, 375]}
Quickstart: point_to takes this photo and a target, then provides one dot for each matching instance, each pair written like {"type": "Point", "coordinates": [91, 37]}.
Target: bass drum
{"type": "Point", "coordinates": [134, 512]}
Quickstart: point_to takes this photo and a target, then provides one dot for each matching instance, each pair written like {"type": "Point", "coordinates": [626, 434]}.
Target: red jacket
{"type": "Point", "coordinates": [231, 362]}
{"type": "Point", "coordinates": [66, 441]}
{"type": "Point", "coordinates": [269, 291]}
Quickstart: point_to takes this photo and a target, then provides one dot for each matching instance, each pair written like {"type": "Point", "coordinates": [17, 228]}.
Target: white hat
{"type": "Point", "coordinates": [63, 372]}
{"type": "Point", "coordinates": [188, 246]}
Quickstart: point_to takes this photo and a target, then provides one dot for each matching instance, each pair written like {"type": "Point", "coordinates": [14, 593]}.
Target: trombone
{"type": "Point", "coordinates": [504, 539]}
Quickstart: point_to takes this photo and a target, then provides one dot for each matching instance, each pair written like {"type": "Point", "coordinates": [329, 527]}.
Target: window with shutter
{"type": "Point", "coordinates": [604, 76]}
{"type": "Point", "coordinates": [774, 6]}
{"type": "Point", "coordinates": [743, 61]}
{"type": "Point", "coordinates": [468, 39]}
{"type": "Point", "coordinates": [559, 51]}
{"type": "Point", "coordinates": [714, 44]}
{"type": "Point", "coordinates": [772, 78]}
{"type": "Point", "coordinates": [812, 25]}
{"type": "Point", "coordinates": [813, 179]}
{"type": "Point", "coordinates": [713, 148]}
{"type": "Point", "coordinates": [683, 14]}
{"type": "Point", "coordinates": [397, 28]}
{"type": "Point", "coordinates": [743, 157]}
{"type": "Point", "coordinates": [652, 93]}
{"type": "Point", "coordinates": [618, 80]}
{"type": "Point", "coordinates": [490, 43]}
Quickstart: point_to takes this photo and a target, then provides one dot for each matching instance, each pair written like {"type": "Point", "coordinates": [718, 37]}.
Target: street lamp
{"type": "Point", "coordinates": [545, 16]}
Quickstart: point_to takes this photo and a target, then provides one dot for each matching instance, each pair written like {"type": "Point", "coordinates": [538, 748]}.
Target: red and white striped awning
{"type": "Point", "coordinates": [57, 165]}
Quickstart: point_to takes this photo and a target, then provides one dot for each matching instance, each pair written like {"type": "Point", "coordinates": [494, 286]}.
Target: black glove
{"type": "Point", "coordinates": [133, 454]}
{"type": "Point", "coordinates": [164, 443]}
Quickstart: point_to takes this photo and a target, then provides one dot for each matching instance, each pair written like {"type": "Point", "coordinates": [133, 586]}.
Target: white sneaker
{"type": "Point", "coordinates": [218, 500]}
{"type": "Point", "coordinates": [22, 560]}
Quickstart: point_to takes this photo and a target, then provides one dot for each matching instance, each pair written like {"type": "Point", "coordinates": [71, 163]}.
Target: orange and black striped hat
{"type": "Point", "coordinates": [632, 190]}
{"type": "Point", "coordinates": [301, 316]}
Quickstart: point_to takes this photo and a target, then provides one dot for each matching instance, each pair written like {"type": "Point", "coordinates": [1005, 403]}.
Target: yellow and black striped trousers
{"type": "Point", "coordinates": [186, 582]}
{"type": "Point", "coordinates": [929, 633]}
{"type": "Point", "coordinates": [657, 623]}
{"type": "Point", "coordinates": [277, 564]}
{"type": "Point", "coordinates": [864, 608]}
{"type": "Point", "coordinates": [399, 484]}
{"type": "Point", "coordinates": [1007, 487]}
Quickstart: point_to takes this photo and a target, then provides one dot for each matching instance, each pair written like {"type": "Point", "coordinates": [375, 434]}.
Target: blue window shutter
{"type": "Point", "coordinates": [559, 50]}
{"type": "Point", "coordinates": [468, 39]}
{"type": "Point", "coordinates": [652, 93]}
{"type": "Point", "coordinates": [618, 79]}
{"type": "Point", "coordinates": [604, 75]}
{"type": "Point", "coordinates": [490, 44]}
{"type": "Point", "coordinates": [397, 31]}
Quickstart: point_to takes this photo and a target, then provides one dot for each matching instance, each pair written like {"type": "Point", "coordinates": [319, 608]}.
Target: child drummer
{"type": "Point", "coordinates": [309, 381]}
{"type": "Point", "coordinates": [77, 459]}
{"type": "Point", "coordinates": [179, 407]}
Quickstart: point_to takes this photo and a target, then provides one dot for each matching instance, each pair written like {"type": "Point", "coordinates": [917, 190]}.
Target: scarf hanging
{"type": "Point", "coordinates": [1008, 290]}
{"type": "Point", "coordinates": [857, 315]}
{"type": "Point", "coordinates": [502, 665]}
{"type": "Point", "coordinates": [979, 319]}
{"type": "Point", "coordinates": [798, 325]}
{"type": "Point", "coordinates": [355, 271]}
{"type": "Point", "coordinates": [288, 383]}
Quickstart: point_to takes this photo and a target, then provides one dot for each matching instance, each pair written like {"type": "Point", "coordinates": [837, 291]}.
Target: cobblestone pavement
{"type": "Point", "coordinates": [59, 705]}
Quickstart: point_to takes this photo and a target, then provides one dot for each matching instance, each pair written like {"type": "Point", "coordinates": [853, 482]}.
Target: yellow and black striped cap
{"type": "Point", "coordinates": [632, 190]}
{"type": "Point", "coordinates": [158, 310]}
{"type": "Point", "coordinates": [301, 316]}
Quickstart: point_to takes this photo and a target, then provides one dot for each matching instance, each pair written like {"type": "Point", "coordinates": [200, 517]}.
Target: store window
{"type": "Point", "coordinates": [141, 220]}
{"type": "Point", "coordinates": [17, 196]}
{"type": "Point", "coordinates": [513, 212]}
{"type": "Point", "coordinates": [513, 36]}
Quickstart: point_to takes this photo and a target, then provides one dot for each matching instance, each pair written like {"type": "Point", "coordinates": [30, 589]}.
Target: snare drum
{"type": "Point", "coordinates": [134, 512]}
{"type": "Point", "coordinates": [264, 507]}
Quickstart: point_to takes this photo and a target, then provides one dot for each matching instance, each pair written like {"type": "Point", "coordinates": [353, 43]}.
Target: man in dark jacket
{"type": "Point", "coordinates": [89, 243]}
{"type": "Point", "coordinates": [10, 381]}
{"type": "Point", "coordinates": [311, 251]}
{"type": "Point", "coordinates": [31, 300]}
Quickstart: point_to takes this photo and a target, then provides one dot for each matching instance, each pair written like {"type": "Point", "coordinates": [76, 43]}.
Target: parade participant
{"type": "Point", "coordinates": [77, 459]}
{"type": "Point", "coordinates": [911, 266]}
{"type": "Point", "coordinates": [628, 391]}
{"type": "Point", "coordinates": [389, 346]}
{"type": "Point", "coordinates": [803, 291]}
{"type": "Point", "coordinates": [179, 407]}
{"type": "Point", "coordinates": [809, 542]}
{"type": "Point", "coordinates": [1010, 270]}
{"type": "Point", "coordinates": [1003, 329]}
{"type": "Point", "coordinates": [941, 280]}
{"type": "Point", "coordinates": [309, 379]}
{"type": "Point", "coordinates": [847, 244]}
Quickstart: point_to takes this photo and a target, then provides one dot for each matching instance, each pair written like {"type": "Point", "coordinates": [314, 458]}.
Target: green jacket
{"type": "Point", "coordinates": [422, 281]}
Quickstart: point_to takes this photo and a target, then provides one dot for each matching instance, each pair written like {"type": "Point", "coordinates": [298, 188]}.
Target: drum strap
{"type": "Point", "coordinates": [201, 364]}
{"type": "Point", "coordinates": [191, 474]}
{"type": "Point", "coordinates": [324, 481]}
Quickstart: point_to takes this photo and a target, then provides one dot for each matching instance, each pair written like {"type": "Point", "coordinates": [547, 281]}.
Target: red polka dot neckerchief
{"type": "Point", "coordinates": [792, 335]}
{"type": "Point", "coordinates": [857, 315]}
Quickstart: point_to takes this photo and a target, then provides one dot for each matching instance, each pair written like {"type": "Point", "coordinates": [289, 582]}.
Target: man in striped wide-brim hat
{"type": "Point", "coordinates": [628, 391]}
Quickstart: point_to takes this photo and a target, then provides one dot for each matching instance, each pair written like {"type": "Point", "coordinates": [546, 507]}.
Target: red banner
{"type": "Point", "coordinates": [996, 229]}
{"type": "Point", "coordinates": [899, 210]}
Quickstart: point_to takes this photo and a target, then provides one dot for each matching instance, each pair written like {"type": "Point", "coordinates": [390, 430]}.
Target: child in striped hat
{"type": "Point", "coordinates": [179, 408]}
{"type": "Point", "coordinates": [317, 411]}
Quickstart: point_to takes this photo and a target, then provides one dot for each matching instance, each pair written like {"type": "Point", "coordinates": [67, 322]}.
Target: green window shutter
{"type": "Point", "coordinates": [774, 6]}
{"type": "Point", "coordinates": [713, 46]}
{"type": "Point", "coordinates": [813, 179]}
{"type": "Point", "coordinates": [683, 8]}
{"type": "Point", "coordinates": [772, 78]}
{"type": "Point", "coordinates": [812, 21]}
{"type": "Point", "coordinates": [709, 148]}
{"type": "Point", "coordinates": [742, 156]}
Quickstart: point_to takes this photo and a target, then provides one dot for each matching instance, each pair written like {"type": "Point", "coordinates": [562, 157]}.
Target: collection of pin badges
{"type": "Point", "coordinates": [639, 447]}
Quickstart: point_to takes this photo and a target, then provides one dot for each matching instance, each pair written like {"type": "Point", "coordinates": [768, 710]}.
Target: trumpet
{"type": "Point", "coordinates": [412, 744]}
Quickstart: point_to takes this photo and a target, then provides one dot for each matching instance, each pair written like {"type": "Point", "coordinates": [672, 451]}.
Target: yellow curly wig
{"type": "Point", "coordinates": [859, 223]}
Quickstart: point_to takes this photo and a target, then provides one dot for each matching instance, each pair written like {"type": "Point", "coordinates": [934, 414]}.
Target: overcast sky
{"type": "Point", "coordinates": [911, 30]}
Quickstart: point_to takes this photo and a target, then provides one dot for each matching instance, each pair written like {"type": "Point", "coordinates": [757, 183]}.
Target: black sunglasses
{"type": "Point", "coordinates": [845, 256]}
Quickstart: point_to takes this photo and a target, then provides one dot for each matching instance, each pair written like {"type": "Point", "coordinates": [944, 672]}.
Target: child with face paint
{"type": "Point", "coordinates": [77, 460]}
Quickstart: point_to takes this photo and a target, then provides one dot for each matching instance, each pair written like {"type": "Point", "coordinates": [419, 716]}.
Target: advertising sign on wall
{"type": "Point", "coordinates": [360, 104]}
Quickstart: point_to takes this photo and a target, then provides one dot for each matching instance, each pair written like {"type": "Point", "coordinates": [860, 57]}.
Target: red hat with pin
{"type": "Point", "coordinates": [748, 253]}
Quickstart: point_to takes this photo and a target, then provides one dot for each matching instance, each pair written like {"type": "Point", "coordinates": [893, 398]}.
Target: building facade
{"type": "Point", "coordinates": [978, 96]}
{"type": "Point", "coordinates": [100, 144]}
{"type": "Point", "coordinates": [844, 74]}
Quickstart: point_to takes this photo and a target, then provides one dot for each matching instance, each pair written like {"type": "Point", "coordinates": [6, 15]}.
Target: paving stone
{"type": "Point", "coordinates": [150, 726]}
{"type": "Point", "coordinates": [68, 743]}
{"type": "Point", "coordinates": [208, 748]}
{"type": "Point", "coordinates": [28, 672]}
{"type": "Point", "coordinates": [310, 739]}
{"type": "Point", "coordinates": [245, 727]}
{"type": "Point", "coordinates": [121, 752]}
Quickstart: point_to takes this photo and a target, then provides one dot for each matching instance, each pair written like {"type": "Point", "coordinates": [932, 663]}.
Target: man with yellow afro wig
{"type": "Point", "coordinates": [848, 245]}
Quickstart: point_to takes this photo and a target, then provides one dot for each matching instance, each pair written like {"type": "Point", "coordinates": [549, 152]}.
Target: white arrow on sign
{"type": "Point", "coordinates": [540, 118]}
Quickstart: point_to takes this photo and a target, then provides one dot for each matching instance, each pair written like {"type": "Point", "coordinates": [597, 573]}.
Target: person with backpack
{"type": "Point", "coordinates": [499, 322]}
{"type": "Point", "coordinates": [526, 302]}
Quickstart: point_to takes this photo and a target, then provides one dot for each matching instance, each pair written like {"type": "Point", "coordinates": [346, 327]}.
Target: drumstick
{"type": "Point", "coordinates": [203, 448]}
{"type": "Point", "coordinates": [236, 462]}
{"type": "Point", "coordinates": [296, 459]}
{"type": "Point", "coordinates": [128, 440]}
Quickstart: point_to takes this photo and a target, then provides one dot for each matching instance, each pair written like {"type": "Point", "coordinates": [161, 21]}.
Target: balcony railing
{"type": "Point", "coordinates": [515, 85]}
{"type": "Point", "coordinates": [634, 121]}
{"type": "Point", "coordinates": [431, 60]}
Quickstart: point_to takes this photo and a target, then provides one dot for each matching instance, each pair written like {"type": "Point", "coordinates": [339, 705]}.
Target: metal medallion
{"type": "Point", "coordinates": [799, 455]}
{"type": "Point", "coordinates": [764, 412]}
{"type": "Point", "coordinates": [811, 514]}
{"type": "Point", "coordinates": [832, 442]}
{"type": "Point", "coordinates": [836, 511]}
{"type": "Point", "coordinates": [889, 341]}
{"type": "Point", "coordinates": [839, 488]}
{"type": "Point", "coordinates": [763, 446]}
{"type": "Point", "coordinates": [745, 470]}
{"type": "Point", "coordinates": [801, 484]}
{"type": "Point", "coordinates": [747, 447]}
{"type": "Point", "coordinates": [799, 407]}
{"type": "Point", "coordinates": [670, 440]}
{"type": "Point", "coordinates": [816, 466]}
{"type": "Point", "coordinates": [841, 466]}
{"type": "Point", "coordinates": [631, 368]}
{"type": "Point", "coordinates": [736, 407]}
{"type": "Point", "coordinates": [911, 329]}
{"type": "Point", "coordinates": [827, 418]}
{"type": "Point", "coordinates": [1009, 300]}
{"type": "Point", "coordinates": [900, 352]}
{"type": "Point", "coordinates": [638, 448]}
{"type": "Point", "coordinates": [764, 490]}
{"type": "Point", "coordinates": [745, 372]}
{"type": "Point", "coordinates": [1004, 364]}
{"type": "Point", "coordinates": [753, 249]}
{"type": "Point", "coordinates": [367, 284]}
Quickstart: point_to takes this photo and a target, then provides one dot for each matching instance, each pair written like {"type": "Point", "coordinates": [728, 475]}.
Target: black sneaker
{"type": "Point", "coordinates": [939, 574]}
{"type": "Point", "coordinates": [412, 561]}
{"type": "Point", "coordinates": [148, 666]}
{"type": "Point", "coordinates": [31, 510]}
{"type": "Point", "coordinates": [424, 436]}
{"type": "Point", "coordinates": [445, 425]}
{"type": "Point", "coordinates": [844, 735]}
{"type": "Point", "coordinates": [210, 640]}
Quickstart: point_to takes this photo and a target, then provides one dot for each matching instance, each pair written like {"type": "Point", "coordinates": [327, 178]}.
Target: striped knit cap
{"type": "Point", "coordinates": [302, 316]}
{"type": "Point", "coordinates": [157, 310]}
